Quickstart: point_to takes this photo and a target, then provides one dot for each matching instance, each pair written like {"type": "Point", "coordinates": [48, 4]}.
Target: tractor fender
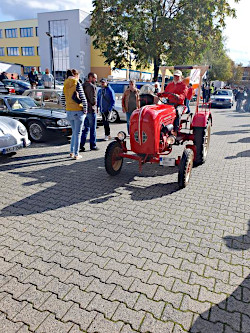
{"type": "Point", "coordinates": [200, 119]}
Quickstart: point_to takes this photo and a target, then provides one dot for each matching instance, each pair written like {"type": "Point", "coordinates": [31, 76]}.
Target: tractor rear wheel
{"type": "Point", "coordinates": [113, 162]}
{"type": "Point", "coordinates": [202, 141]}
{"type": "Point", "coordinates": [185, 168]}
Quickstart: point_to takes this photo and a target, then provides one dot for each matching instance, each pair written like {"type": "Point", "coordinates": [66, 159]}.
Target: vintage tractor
{"type": "Point", "coordinates": [151, 137]}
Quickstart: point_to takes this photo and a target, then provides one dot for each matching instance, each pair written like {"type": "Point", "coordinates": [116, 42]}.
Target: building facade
{"type": "Point", "coordinates": [60, 36]}
{"type": "Point", "coordinates": [19, 43]}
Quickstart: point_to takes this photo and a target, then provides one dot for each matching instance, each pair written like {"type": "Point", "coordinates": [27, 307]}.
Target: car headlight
{"type": "Point", "coordinates": [22, 130]}
{"type": "Point", "coordinates": [121, 135]}
{"type": "Point", "coordinates": [63, 122]}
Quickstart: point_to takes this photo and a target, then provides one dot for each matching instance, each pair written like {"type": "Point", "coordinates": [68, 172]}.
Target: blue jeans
{"type": "Point", "coordinates": [89, 125]}
{"type": "Point", "coordinates": [187, 105]}
{"type": "Point", "coordinates": [76, 119]}
{"type": "Point", "coordinates": [128, 115]}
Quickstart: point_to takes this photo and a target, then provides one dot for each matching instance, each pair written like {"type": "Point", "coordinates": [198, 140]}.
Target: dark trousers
{"type": "Point", "coordinates": [89, 126]}
{"type": "Point", "coordinates": [105, 121]}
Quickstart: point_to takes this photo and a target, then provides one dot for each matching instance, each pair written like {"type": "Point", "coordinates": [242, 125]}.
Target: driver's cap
{"type": "Point", "coordinates": [178, 72]}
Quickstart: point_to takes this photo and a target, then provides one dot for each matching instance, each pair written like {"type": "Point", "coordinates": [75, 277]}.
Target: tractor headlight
{"type": "Point", "coordinates": [171, 140]}
{"type": "Point", "coordinates": [22, 130]}
{"type": "Point", "coordinates": [63, 122]}
{"type": "Point", "coordinates": [121, 135]}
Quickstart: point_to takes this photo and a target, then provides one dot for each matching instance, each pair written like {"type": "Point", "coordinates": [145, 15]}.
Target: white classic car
{"type": "Point", "coordinates": [13, 136]}
{"type": "Point", "coordinates": [223, 98]}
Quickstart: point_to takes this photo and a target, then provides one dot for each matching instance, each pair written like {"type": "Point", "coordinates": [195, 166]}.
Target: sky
{"type": "Point", "coordinates": [236, 32]}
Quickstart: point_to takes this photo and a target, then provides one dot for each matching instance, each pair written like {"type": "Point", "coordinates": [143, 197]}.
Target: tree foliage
{"type": "Point", "coordinates": [158, 31]}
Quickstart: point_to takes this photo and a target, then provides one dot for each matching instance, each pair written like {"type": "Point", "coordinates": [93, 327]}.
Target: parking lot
{"type": "Point", "coordinates": [83, 252]}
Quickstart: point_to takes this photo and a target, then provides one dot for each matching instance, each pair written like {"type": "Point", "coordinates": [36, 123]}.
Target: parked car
{"type": "Point", "coordinates": [223, 98]}
{"type": "Point", "coordinates": [38, 121]}
{"type": "Point", "coordinates": [19, 85]}
{"type": "Point", "coordinates": [13, 136]}
{"type": "Point", "coordinates": [45, 98]}
{"type": "Point", "coordinates": [5, 90]}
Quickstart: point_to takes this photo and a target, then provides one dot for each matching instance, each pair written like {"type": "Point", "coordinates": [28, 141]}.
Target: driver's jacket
{"type": "Point", "coordinates": [176, 88]}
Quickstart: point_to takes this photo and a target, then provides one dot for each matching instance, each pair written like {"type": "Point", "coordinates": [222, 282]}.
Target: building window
{"type": "Point", "coordinates": [28, 51]}
{"type": "Point", "coordinates": [13, 51]}
{"type": "Point", "coordinates": [26, 32]}
{"type": "Point", "coordinates": [11, 33]}
{"type": "Point", "coordinates": [36, 31]}
{"type": "Point", "coordinates": [60, 30]}
{"type": "Point", "coordinates": [1, 51]}
{"type": "Point", "coordinates": [1, 33]}
{"type": "Point", "coordinates": [38, 50]}
{"type": "Point", "coordinates": [27, 69]}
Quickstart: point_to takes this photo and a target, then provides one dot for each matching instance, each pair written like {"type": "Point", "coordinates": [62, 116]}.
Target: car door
{"type": "Point", "coordinates": [3, 108]}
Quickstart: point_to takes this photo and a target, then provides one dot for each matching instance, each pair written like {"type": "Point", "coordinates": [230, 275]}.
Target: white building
{"type": "Point", "coordinates": [71, 43]}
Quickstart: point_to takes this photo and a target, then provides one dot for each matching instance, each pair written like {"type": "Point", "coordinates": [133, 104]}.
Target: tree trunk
{"type": "Point", "coordinates": [156, 68]}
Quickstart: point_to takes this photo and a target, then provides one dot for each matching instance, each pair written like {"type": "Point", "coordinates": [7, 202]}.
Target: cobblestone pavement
{"type": "Point", "coordinates": [81, 251]}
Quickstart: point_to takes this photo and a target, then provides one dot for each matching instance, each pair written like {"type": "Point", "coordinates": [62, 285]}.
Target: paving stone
{"type": "Point", "coordinates": [10, 306]}
{"type": "Point", "coordinates": [191, 290]}
{"type": "Point", "coordinates": [56, 306]}
{"type": "Point", "coordinates": [51, 324]}
{"type": "Point", "coordinates": [168, 296]}
{"type": "Point", "coordinates": [7, 325]}
{"type": "Point", "coordinates": [31, 317]}
{"type": "Point", "coordinates": [148, 305]}
{"type": "Point", "coordinates": [103, 325]}
{"type": "Point", "coordinates": [127, 297]}
{"type": "Point", "coordinates": [134, 318]}
{"type": "Point", "coordinates": [79, 296]}
{"type": "Point", "coordinates": [34, 296]}
{"type": "Point", "coordinates": [104, 306]}
{"type": "Point", "coordinates": [177, 316]}
{"type": "Point", "coordinates": [204, 326]}
{"type": "Point", "coordinates": [79, 316]}
{"type": "Point", "coordinates": [147, 289]}
{"type": "Point", "coordinates": [150, 324]}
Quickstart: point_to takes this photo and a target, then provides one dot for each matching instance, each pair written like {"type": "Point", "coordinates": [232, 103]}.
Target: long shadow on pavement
{"type": "Point", "coordinates": [83, 181]}
{"type": "Point", "coordinates": [233, 313]}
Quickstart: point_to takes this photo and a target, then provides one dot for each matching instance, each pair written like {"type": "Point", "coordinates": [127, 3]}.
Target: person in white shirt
{"type": "Point", "coordinates": [47, 79]}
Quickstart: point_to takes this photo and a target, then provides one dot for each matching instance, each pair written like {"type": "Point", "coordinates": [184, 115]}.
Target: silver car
{"type": "Point", "coordinates": [222, 98]}
{"type": "Point", "coordinates": [13, 136]}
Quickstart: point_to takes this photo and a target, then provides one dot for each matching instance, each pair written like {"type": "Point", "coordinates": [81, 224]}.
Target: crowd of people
{"type": "Point", "coordinates": [81, 101]}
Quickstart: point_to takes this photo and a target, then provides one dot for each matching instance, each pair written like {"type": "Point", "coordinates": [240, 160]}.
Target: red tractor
{"type": "Point", "coordinates": [151, 138]}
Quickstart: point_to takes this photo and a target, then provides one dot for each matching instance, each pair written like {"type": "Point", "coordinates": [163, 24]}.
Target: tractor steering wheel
{"type": "Point", "coordinates": [172, 94]}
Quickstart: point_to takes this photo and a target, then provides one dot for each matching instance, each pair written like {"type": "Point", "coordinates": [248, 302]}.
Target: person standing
{"type": "Point", "coordinates": [105, 102]}
{"type": "Point", "coordinates": [239, 97]}
{"type": "Point", "coordinates": [89, 88]}
{"type": "Point", "coordinates": [189, 96]}
{"type": "Point", "coordinates": [33, 78]}
{"type": "Point", "coordinates": [47, 79]}
{"type": "Point", "coordinates": [3, 76]}
{"type": "Point", "coordinates": [130, 101]}
{"type": "Point", "coordinates": [76, 111]}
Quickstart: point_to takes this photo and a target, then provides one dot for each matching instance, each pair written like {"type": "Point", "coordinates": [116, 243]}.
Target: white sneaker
{"type": "Point", "coordinates": [77, 157]}
{"type": "Point", "coordinates": [106, 138]}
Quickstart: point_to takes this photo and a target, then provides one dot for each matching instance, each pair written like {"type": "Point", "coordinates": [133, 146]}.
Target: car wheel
{"type": "Point", "coordinates": [185, 168]}
{"type": "Point", "coordinates": [114, 116]}
{"type": "Point", "coordinates": [36, 131]}
{"type": "Point", "coordinates": [113, 162]}
{"type": "Point", "coordinates": [202, 141]}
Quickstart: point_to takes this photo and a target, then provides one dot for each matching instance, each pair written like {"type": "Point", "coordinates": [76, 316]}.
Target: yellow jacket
{"type": "Point", "coordinates": [68, 89]}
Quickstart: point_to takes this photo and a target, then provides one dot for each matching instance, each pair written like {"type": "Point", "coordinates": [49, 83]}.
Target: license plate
{"type": "Point", "coordinates": [167, 161]}
{"type": "Point", "coordinates": [11, 149]}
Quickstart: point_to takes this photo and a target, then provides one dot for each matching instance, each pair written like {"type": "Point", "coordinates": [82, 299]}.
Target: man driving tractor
{"type": "Point", "coordinates": [176, 92]}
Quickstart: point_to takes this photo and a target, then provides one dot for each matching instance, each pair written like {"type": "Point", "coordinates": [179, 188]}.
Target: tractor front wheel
{"type": "Point", "coordinates": [185, 168]}
{"type": "Point", "coordinates": [113, 160]}
{"type": "Point", "coordinates": [202, 141]}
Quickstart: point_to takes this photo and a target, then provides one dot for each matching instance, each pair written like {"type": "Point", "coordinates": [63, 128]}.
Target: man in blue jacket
{"type": "Point", "coordinates": [105, 102]}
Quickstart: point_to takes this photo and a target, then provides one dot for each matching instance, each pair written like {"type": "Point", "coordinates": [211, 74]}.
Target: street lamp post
{"type": "Point", "coordinates": [52, 55]}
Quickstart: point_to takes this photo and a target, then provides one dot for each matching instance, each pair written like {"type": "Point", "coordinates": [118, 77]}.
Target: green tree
{"type": "Point", "coordinates": [158, 31]}
{"type": "Point", "coordinates": [237, 73]}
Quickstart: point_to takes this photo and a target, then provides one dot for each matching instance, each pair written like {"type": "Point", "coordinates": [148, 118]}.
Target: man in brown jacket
{"type": "Point", "coordinates": [130, 101]}
{"type": "Point", "coordinates": [89, 88]}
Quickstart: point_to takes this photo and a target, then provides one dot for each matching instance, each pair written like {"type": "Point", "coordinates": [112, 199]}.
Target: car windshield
{"type": "Point", "coordinates": [21, 103]}
{"type": "Point", "coordinates": [223, 92]}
